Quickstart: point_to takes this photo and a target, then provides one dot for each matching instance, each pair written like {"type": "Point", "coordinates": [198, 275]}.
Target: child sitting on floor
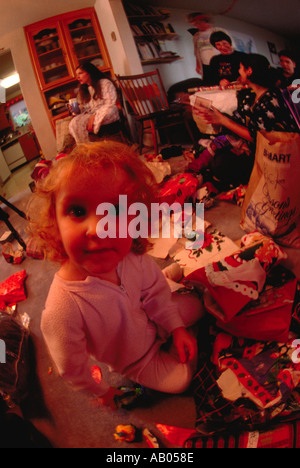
{"type": "Point", "coordinates": [109, 299]}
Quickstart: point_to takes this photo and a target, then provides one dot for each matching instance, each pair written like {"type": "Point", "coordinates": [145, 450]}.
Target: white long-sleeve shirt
{"type": "Point", "coordinates": [104, 108]}
{"type": "Point", "coordinates": [118, 325]}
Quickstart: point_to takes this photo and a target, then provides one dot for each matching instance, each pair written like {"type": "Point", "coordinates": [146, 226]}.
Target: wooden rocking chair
{"type": "Point", "coordinates": [147, 97]}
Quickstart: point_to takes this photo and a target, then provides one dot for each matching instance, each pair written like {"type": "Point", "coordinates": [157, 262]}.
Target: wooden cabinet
{"type": "Point", "coordinates": [4, 123]}
{"type": "Point", "coordinates": [29, 146]}
{"type": "Point", "coordinates": [57, 46]}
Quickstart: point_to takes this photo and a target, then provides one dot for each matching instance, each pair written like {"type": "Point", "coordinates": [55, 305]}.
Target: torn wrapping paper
{"type": "Point", "coordinates": [248, 384]}
{"type": "Point", "coordinates": [178, 188]}
{"type": "Point", "coordinates": [216, 246]}
{"type": "Point", "coordinates": [237, 279]}
{"type": "Point", "coordinates": [12, 290]}
{"type": "Point", "coordinates": [160, 169]}
{"type": "Point", "coordinates": [266, 319]}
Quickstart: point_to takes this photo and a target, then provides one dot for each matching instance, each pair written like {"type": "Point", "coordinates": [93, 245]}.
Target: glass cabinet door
{"type": "Point", "coordinates": [85, 41]}
{"type": "Point", "coordinates": [51, 55]}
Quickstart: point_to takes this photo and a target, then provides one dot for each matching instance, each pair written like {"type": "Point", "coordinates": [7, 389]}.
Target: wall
{"type": "Point", "coordinates": [118, 37]}
{"type": "Point", "coordinates": [183, 69]}
{"type": "Point", "coordinates": [16, 42]}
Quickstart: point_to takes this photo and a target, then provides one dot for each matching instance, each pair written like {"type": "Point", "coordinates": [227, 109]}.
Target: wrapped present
{"type": "Point", "coordinates": [269, 317]}
{"type": "Point", "coordinates": [178, 188]}
{"type": "Point", "coordinates": [11, 255]}
{"type": "Point", "coordinates": [239, 278]}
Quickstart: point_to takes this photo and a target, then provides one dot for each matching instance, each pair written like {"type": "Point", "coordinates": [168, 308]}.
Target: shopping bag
{"type": "Point", "coordinates": [272, 201]}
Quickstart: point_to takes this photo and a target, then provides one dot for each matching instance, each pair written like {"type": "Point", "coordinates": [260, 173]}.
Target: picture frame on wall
{"type": "Point", "coordinates": [274, 54]}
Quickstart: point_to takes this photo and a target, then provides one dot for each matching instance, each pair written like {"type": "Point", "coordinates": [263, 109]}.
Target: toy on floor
{"type": "Point", "coordinates": [127, 433]}
{"type": "Point", "coordinates": [130, 433]}
{"type": "Point", "coordinates": [131, 397]}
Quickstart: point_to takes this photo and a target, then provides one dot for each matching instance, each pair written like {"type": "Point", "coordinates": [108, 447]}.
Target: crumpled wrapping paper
{"type": "Point", "coordinates": [12, 290]}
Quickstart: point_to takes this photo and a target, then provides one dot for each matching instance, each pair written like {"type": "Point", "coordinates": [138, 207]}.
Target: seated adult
{"type": "Point", "coordinates": [97, 99]}
{"type": "Point", "coordinates": [261, 107]}
{"type": "Point", "coordinates": [288, 72]}
{"type": "Point", "coordinates": [224, 68]}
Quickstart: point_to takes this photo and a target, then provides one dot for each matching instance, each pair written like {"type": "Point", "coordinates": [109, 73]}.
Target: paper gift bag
{"type": "Point", "coordinates": [272, 201]}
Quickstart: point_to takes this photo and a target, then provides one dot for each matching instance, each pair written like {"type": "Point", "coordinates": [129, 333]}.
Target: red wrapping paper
{"type": "Point", "coordinates": [12, 290]}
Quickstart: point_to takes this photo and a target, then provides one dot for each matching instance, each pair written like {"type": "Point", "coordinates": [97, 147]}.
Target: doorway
{"type": "Point", "coordinates": [19, 147]}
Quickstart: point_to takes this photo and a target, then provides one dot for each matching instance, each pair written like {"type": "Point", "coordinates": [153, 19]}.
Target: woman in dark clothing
{"type": "Point", "coordinates": [261, 107]}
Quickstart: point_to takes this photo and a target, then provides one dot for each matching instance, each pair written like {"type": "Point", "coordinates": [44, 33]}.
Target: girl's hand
{"type": "Point", "coordinates": [210, 116]}
{"type": "Point", "coordinates": [224, 83]}
{"type": "Point", "coordinates": [90, 125]}
{"type": "Point", "coordinates": [185, 344]}
{"type": "Point", "coordinates": [108, 399]}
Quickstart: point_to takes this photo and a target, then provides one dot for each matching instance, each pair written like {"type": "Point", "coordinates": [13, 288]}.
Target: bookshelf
{"type": "Point", "coordinates": [150, 30]}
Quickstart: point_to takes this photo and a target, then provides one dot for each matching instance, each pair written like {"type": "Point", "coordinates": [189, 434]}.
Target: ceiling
{"type": "Point", "coordinates": [280, 16]}
{"type": "Point", "coordinates": [18, 13]}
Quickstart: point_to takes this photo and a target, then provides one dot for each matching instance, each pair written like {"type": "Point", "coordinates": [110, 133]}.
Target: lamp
{"type": "Point", "coordinates": [10, 80]}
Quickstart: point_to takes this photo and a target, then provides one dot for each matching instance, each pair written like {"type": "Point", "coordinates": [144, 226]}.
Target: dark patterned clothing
{"type": "Point", "coordinates": [225, 67]}
{"type": "Point", "coordinates": [269, 113]}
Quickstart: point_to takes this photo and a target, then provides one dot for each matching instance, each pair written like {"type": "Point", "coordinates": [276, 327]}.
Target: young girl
{"type": "Point", "coordinates": [97, 100]}
{"type": "Point", "coordinates": [109, 299]}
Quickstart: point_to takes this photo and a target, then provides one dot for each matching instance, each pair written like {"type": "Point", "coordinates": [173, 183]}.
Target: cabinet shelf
{"type": "Point", "coordinates": [45, 38]}
{"type": "Point", "coordinates": [84, 41]}
{"type": "Point", "coordinates": [82, 28]}
{"type": "Point", "coordinates": [50, 52]}
{"type": "Point", "coordinates": [52, 69]}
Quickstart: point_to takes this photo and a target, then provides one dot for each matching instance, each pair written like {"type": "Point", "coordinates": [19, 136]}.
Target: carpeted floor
{"type": "Point", "coordinates": [66, 418]}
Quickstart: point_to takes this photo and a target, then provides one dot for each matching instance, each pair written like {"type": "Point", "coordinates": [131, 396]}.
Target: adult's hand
{"type": "Point", "coordinates": [90, 125]}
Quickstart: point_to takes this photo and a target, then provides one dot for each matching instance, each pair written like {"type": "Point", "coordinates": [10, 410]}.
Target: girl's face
{"type": "Point", "coordinates": [83, 77]}
{"type": "Point", "coordinates": [76, 206]}
{"type": "Point", "coordinates": [245, 73]}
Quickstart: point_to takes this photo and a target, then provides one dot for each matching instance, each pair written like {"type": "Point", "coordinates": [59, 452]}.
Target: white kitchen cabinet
{"type": "Point", "coordinates": [14, 155]}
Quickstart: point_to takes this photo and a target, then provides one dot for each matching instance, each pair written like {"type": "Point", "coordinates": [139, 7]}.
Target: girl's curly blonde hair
{"type": "Point", "coordinates": [88, 160]}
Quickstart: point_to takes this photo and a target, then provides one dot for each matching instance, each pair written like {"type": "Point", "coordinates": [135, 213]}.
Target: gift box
{"type": "Point", "coordinates": [268, 318]}
{"type": "Point", "coordinates": [239, 278]}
